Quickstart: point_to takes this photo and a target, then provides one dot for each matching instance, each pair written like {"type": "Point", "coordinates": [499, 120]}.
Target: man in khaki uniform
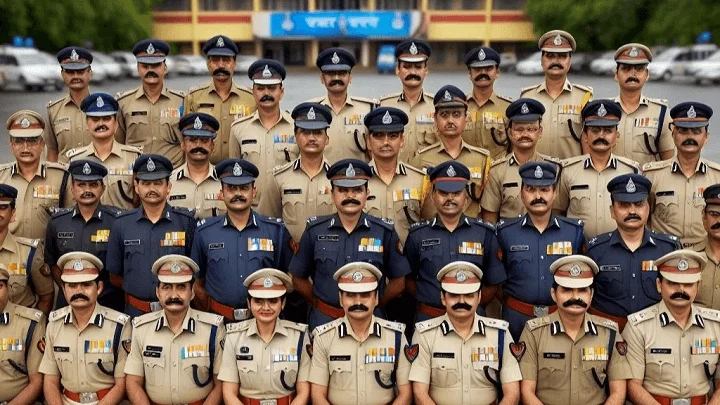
{"type": "Point", "coordinates": [672, 345]}
{"type": "Point", "coordinates": [486, 109]}
{"type": "Point", "coordinates": [149, 114]}
{"type": "Point", "coordinates": [43, 187]}
{"type": "Point", "coordinates": [356, 359]}
{"type": "Point", "coordinates": [101, 110]}
{"type": "Point", "coordinates": [300, 189]}
{"type": "Point", "coordinates": [644, 134]}
{"type": "Point", "coordinates": [461, 357]}
{"type": "Point", "coordinates": [563, 100]}
{"type": "Point", "coordinates": [84, 363]}
{"type": "Point", "coordinates": [571, 357]}
{"type": "Point", "coordinates": [450, 119]}
{"type": "Point", "coordinates": [22, 330]}
{"type": "Point", "coordinates": [582, 192]}
{"type": "Point", "coordinates": [66, 124]}
{"type": "Point", "coordinates": [176, 352]}
{"type": "Point", "coordinates": [266, 138]}
{"type": "Point", "coordinates": [347, 132]}
{"type": "Point", "coordinates": [412, 67]}
{"type": "Point", "coordinates": [221, 98]}
{"type": "Point", "coordinates": [676, 197]}
{"type": "Point", "coordinates": [709, 289]}
{"type": "Point", "coordinates": [501, 198]}
{"type": "Point", "coordinates": [195, 184]}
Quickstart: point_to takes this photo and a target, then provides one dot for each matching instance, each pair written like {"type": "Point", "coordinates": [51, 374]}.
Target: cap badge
{"type": "Point", "coordinates": [220, 43]}
{"type": "Point", "coordinates": [357, 277]}
{"type": "Point", "coordinates": [413, 49]}
{"type": "Point", "coordinates": [447, 96]}
{"type": "Point", "coordinates": [538, 172]}
{"type": "Point", "coordinates": [175, 268]}
{"type": "Point", "coordinates": [86, 169]}
{"type": "Point", "coordinates": [558, 40]}
{"type": "Point", "coordinates": [350, 172]}
{"type": "Point", "coordinates": [691, 112]}
{"type": "Point", "coordinates": [524, 109]}
{"type": "Point", "coordinates": [267, 283]}
{"type": "Point", "coordinates": [461, 277]}
{"type": "Point", "coordinates": [451, 171]}
{"type": "Point", "coordinates": [481, 54]}
{"type": "Point", "coordinates": [630, 187]}
{"type": "Point", "coordinates": [266, 72]}
{"type": "Point", "coordinates": [575, 270]}
{"type": "Point", "coordinates": [602, 111]}
{"type": "Point", "coordinates": [25, 123]}
{"type": "Point", "coordinates": [150, 49]}
{"type": "Point", "coordinates": [99, 102]}
{"type": "Point", "coordinates": [74, 55]}
{"type": "Point", "coordinates": [311, 113]}
{"type": "Point", "coordinates": [335, 58]}
{"type": "Point", "coordinates": [683, 265]}
{"type": "Point", "coordinates": [633, 52]}
{"type": "Point", "coordinates": [78, 266]}
{"type": "Point", "coordinates": [197, 124]}
{"type": "Point", "coordinates": [237, 170]}
{"type": "Point", "coordinates": [150, 165]}
{"type": "Point", "coordinates": [387, 119]}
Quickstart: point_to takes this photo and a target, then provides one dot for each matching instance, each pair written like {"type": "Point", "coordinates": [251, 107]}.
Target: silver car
{"type": "Point", "coordinates": [29, 69]}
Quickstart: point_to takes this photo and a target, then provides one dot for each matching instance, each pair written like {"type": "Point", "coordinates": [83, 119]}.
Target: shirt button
{"type": "Point", "coordinates": [174, 364]}
{"type": "Point", "coordinates": [633, 297]}
{"type": "Point", "coordinates": [361, 369]}
{"type": "Point", "coordinates": [542, 277]}
{"type": "Point", "coordinates": [633, 275]}
{"type": "Point", "coordinates": [542, 257]}
{"type": "Point", "coordinates": [717, 286]}
{"type": "Point", "coordinates": [347, 257]}
{"type": "Point", "coordinates": [684, 360]}
{"type": "Point", "coordinates": [574, 367]}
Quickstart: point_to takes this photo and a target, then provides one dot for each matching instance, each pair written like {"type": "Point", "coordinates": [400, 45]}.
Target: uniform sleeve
{"type": "Point", "coordinates": [301, 264]}
{"type": "Point", "coordinates": [319, 370]}
{"type": "Point", "coordinates": [396, 265]}
{"type": "Point", "coordinates": [69, 200]}
{"type": "Point", "coordinates": [134, 362]}
{"type": "Point", "coordinates": [120, 131]}
{"type": "Point", "coordinates": [402, 373]}
{"type": "Point", "coordinates": [198, 255]}
{"type": "Point", "coordinates": [188, 104]}
{"type": "Point", "coordinates": [49, 134]}
{"type": "Point", "coordinates": [420, 367]}
{"type": "Point", "coordinates": [48, 364]}
{"type": "Point", "coordinates": [510, 368]}
{"type": "Point", "coordinates": [635, 351]}
{"type": "Point", "coordinates": [190, 236]}
{"type": "Point", "coordinates": [619, 369]}
{"type": "Point", "coordinates": [37, 346]}
{"type": "Point", "coordinates": [493, 269]}
{"type": "Point", "coordinates": [270, 200]}
{"type": "Point", "coordinates": [491, 198]}
{"type": "Point", "coordinates": [114, 258]}
{"type": "Point", "coordinates": [43, 284]}
{"type": "Point", "coordinates": [51, 253]}
{"type": "Point", "coordinates": [580, 240]}
{"type": "Point", "coordinates": [122, 355]}
{"type": "Point", "coordinates": [285, 255]}
{"type": "Point", "coordinates": [529, 359]}
{"type": "Point", "coordinates": [235, 149]}
{"type": "Point", "coordinates": [666, 141]}
{"type": "Point", "coordinates": [563, 197]}
{"type": "Point", "coordinates": [228, 369]}
{"type": "Point", "coordinates": [412, 253]}
{"type": "Point", "coordinates": [219, 349]}
{"type": "Point", "coordinates": [305, 360]}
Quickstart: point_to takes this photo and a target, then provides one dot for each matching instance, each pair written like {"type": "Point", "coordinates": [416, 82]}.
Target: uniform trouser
{"type": "Point", "coordinates": [318, 318]}
{"type": "Point", "coordinates": [517, 321]}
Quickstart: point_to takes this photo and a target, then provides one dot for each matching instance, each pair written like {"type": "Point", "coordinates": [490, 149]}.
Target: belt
{"type": "Point", "coordinates": [329, 310]}
{"type": "Point", "coordinates": [524, 308]}
{"type": "Point", "coordinates": [620, 321]}
{"type": "Point", "coordinates": [699, 400]}
{"type": "Point", "coordinates": [230, 313]}
{"type": "Point", "coordinates": [278, 401]}
{"type": "Point", "coordinates": [141, 305]}
{"type": "Point", "coordinates": [86, 397]}
{"type": "Point", "coordinates": [200, 402]}
{"type": "Point", "coordinates": [430, 310]}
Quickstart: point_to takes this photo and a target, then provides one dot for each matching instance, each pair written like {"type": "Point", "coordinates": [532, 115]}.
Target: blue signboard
{"type": "Point", "coordinates": [348, 24]}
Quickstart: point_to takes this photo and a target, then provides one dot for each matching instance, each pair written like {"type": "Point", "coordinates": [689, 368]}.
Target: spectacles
{"type": "Point", "coordinates": [33, 140]}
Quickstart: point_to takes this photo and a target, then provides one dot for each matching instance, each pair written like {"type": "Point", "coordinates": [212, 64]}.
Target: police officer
{"type": "Point", "coordinates": [571, 357]}
{"type": "Point", "coordinates": [350, 235]}
{"type": "Point", "coordinates": [142, 235]}
{"type": "Point", "coordinates": [486, 109]}
{"type": "Point", "coordinates": [66, 127]}
{"type": "Point", "coordinates": [42, 186]}
{"type": "Point", "coordinates": [84, 228]}
{"type": "Point", "coordinates": [450, 119]}
{"type": "Point", "coordinates": [676, 199]}
{"type": "Point", "coordinates": [231, 247]}
{"type": "Point", "coordinates": [300, 189]}
{"type": "Point", "coordinates": [563, 100]}
{"type": "Point", "coordinates": [708, 290]}
{"type": "Point", "coordinates": [449, 237]}
{"type": "Point", "coordinates": [221, 98]}
{"type": "Point", "coordinates": [530, 243]}
{"type": "Point", "coordinates": [266, 358]}
{"type": "Point", "coordinates": [644, 135]}
{"type": "Point", "coordinates": [501, 198]}
{"type": "Point", "coordinates": [22, 330]}
{"type": "Point", "coordinates": [671, 346]}
{"type": "Point", "coordinates": [175, 337]}
{"type": "Point", "coordinates": [149, 114]}
{"type": "Point", "coordinates": [339, 374]}
{"type": "Point", "coordinates": [266, 137]}
{"type": "Point", "coordinates": [347, 132]}
{"type": "Point", "coordinates": [84, 363]}
{"type": "Point", "coordinates": [195, 184]}
{"type": "Point", "coordinates": [412, 67]}
{"type": "Point", "coordinates": [584, 178]}
{"type": "Point", "coordinates": [101, 110]}
{"type": "Point", "coordinates": [461, 357]}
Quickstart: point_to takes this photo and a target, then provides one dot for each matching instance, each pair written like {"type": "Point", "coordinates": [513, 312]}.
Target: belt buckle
{"type": "Point", "coordinates": [268, 401]}
{"type": "Point", "coordinates": [88, 397]}
{"type": "Point", "coordinates": [155, 306]}
{"type": "Point", "coordinates": [242, 314]}
{"type": "Point", "coordinates": [540, 310]}
{"type": "Point", "coordinates": [680, 401]}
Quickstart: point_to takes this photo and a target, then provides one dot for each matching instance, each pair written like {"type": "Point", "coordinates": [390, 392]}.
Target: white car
{"type": "Point", "coordinates": [530, 65]}
{"type": "Point", "coordinates": [709, 74]}
{"type": "Point", "coordinates": [127, 61]}
{"type": "Point", "coordinates": [29, 69]}
{"type": "Point", "coordinates": [696, 66]}
{"type": "Point", "coordinates": [604, 65]}
{"type": "Point", "coordinates": [243, 62]}
{"type": "Point", "coordinates": [674, 60]}
{"type": "Point", "coordinates": [112, 68]}
{"type": "Point", "coordinates": [191, 65]}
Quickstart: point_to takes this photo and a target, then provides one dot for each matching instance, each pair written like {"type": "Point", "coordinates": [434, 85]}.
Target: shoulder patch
{"type": "Point", "coordinates": [644, 315]}
{"type": "Point", "coordinates": [599, 239]}
{"type": "Point", "coordinates": [146, 318]}
{"type": "Point", "coordinates": [504, 223]}
{"type": "Point", "coordinates": [710, 314]}
{"type": "Point", "coordinates": [605, 322]}
{"type": "Point", "coordinates": [326, 327]}
{"type": "Point", "coordinates": [650, 166]}
{"type": "Point", "coordinates": [130, 148]}
{"type": "Point", "coordinates": [28, 313]}
{"type": "Point", "coordinates": [418, 225]}
{"type": "Point", "coordinates": [660, 101]}
{"type": "Point", "coordinates": [366, 100]}
{"type": "Point", "coordinates": [485, 224]}
{"type": "Point", "coordinates": [207, 222]}
{"type": "Point", "coordinates": [59, 314]}
{"type": "Point", "coordinates": [571, 221]}
{"type": "Point", "coordinates": [429, 324]}
{"type": "Point", "coordinates": [52, 103]}
{"type": "Point", "coordinates": [71, 153]}
{"type": "Point", "coordinates": [271, 220]}
{"type": "Point", "coordinates": [28, 241]}
{"type": "Point", "coordinates": [209, 318]}
{"type": "Point", "coordinates": [116, 316]}
{"type": "Point", "coordinates": [495, 323]}
{"type": "Point", "coordinates": [238, 326]}
{"type": "Point", "coordinates": [551, 159]}
{"type": "Point", "coordinates": [396, 326]}
{"type": "Point", "coordinates": [533, 324]}
{"type": "Point", "coordinates": [62, 211]}
{"type": "Point", "coordinates": [312, 221]}
{"type": "Point", "coordinates": [281, 168]}
{"type": "Point", "coordinates": [56, 166]}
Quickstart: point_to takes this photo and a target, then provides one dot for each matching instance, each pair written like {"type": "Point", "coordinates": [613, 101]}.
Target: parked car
{"type": "Point", "coordinates": [386, 59]}
{"type": "Point", "coordinates": [580, 62]}
{"type": "Point", "coordinates": [691, 68]}
{"type": "Point", "coordinates": [508, 61]}
{"type": "Point", "coordinates": [113, 70]}
{"type": "Point", "coordinates": [243, 62]}
{"type": "Point", "coordinates": [127, 61]}
{"type": "Point", "coordinates": [29, 69]}
{"type": "Point", "coordinates": [708, 74]}
{"type": "Point", "coordinates": [604, 65]}
{"type": "Point", "coordinates": [530, 65]}
{"type": "Point", "coordinates": [190, 65]}
{"type": "Point", "coordinates": [673, 61]}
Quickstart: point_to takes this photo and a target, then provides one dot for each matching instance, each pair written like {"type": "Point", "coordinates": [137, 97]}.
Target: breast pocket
{"type": "Point", "coordinates": [248, 374]}
{"type": "Point", "coordinates": [197, 369]}
{"type": "Point", "coordinates": [217, 260]}
{"type": "Point", "coordinates": [8, 361]}
{"type": "Point", "coordinates": [63, 129]}
{"type": "Point", "coordinates": [327, 251]}
{"type": "Point", "coordinates": [134, 257]}
{"type": "Point", "coordinates": [649, 285]}
{"type": "Point", "coordinates": [639, 136]}
{"type": "Point", "coordinates": [610, 281]}
{"type": "Point", "coordinates": [520, 264]}
{"type": "Point", "coordinates": [261, 259]}
{"type": "Point", "coordinates": [285, 374]}
{"type": "Point", "coordinates": [293, 209]}
{"type": "Point", "coordinates": [137, 124]}
{"type": "Point", "coordinates": [101, 368]}
{"type": "Point", "coordinates": [580, 202]}
{"type": "Point", "coordinates": [341, 375]}
{"type": "Point", "coordinates": [381, 373]}
{"type": "Point", "coordinates": [666, 206]}
{"type": "Point", "coordinates": [356, 135]}
{"type": "Point", "coordinates": [285, 152]}
{"type": "Point", "coordinates": [374, 258]}
{"type": "Point", "coordinates": [154, 370]}
{"type": "Point", "coordinates": [444, 373]}
{"type": "Point", "coordinates": [593, 370]}
{"type": "Point", "coordinates": [251, 150]}
{"type": "Point", "coordinates": [484, 369]}
{"type": "Point", "coordinates": [662, 366]}
{"type": "Point", "coordinates": [408, 208]}
{"type": "Point", "coordinates": [168, 130]}
{"type": "Point", "coordinates": [66, 364]}
{"type": "Point", "coordinates": [426, 132]}
{"type": "Point", "coordinates": [552, 373]}
{"type": "Point", "coordinates": [575, 121]}
{"type": "Point", "coordinates": [704, 362]}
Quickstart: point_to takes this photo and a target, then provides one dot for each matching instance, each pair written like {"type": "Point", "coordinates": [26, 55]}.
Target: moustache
{"type": "Point", "coordinates": [538, 201]}
{"type": "Point", "coordinates": [200, 150]}
{"type": "Point", "coordinates": [87, 194]}
{"type": "Point", "coordinates": [76, 81]}
{"type": "Point", "coordinates": [79, 297]}
{"type": "Point", "coordinates": [151, 74]}
{"type": "Point", "coordinates": [716, 226]}
{"type": "Point", "coordinates": [574, 301]}
{"type": "Point", "coordinates": [413, 77]}
{"type": "Point", "coordinates": [238, 198]}
{"type": "Point", "coordinates": [358, 308]}
{"type": "Point", "coordinates": [690, 142]}
{"type": "Point", "coordinates": [481, 76]}
{"type": "Point", "coordinates": [267, 98]}
{"type": "Point", "coordinates": [601, 141]}
{"type": "Point", "coordinates": [101, 128]}
{"type": "Point", "coordinates": [556, 65]}
{"type": "Point", "coordinates": [151, 194]}
{"type": "Point", "coordinates": [350, 201]}
{"type": "Point", "coordinates": [220, 72]}
{"type": "Point", "coordinates": [174, 301]}
{"type": "Point", "coordinates": [632, 216]}
{"type": "Point", "coordinates": [632, 79]}
{"type": "Point", "coordinates": [337, 83]}
{"type": "Point", "coordinates": [450, 203]}
{"type": "Point", "coordinates": [462, 305]}
{"type": "Point", "coordinates": [524, 139]}
{"type": "Point", "coordinates": [681, 295]}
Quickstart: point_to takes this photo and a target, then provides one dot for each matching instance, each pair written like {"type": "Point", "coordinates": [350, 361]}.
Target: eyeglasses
{"type": "Point", "coordinates": [33, 140]}
{"type": "Point", "coordinates": [382, 135]}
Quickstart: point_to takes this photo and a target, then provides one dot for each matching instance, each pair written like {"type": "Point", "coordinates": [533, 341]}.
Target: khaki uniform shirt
{"type": "Point", "coordinates": [86, 361]}
{"type": "Point", "coordinates": [204, 198]}
{"type": "Point", "coordinates": [582, 191]}
{"type": "Point", "coordinates": [66, 127]}
{"type": "Point", "coordinates": [293, 196]}
{"type": "Point", "coordinates": [265, 148]}
{"type": "Point", "coordinates": [455, 368]}
{"type": "Point", "coordinates": [29, 275]}
{"type": "Point", "coordinates": [420, 130]}
{"type": "Point", "coordinates": [567, 371]}
{"type": "Point", "coordinates": [644, 122]}
{"type": "Point", "coordinates": [356, 372]}
{"type": "Point", "coordinates": [174, 365]}
{"type": "Point", "coordinates": [37, 199]}
{"type": "Point", "coordinates": [487, 120]}
{"type": "Point", "coordinates": [18, 351]}
{"type": "Point", "coordinates": [240, 103]}
{"type": "Point", "coordinates": [152, 127]}
{"type": "Point", "coordinates": [671, 360]}
{"type": "Point", "coordinates": [557, 140]}
{"type": "Point", "coordinates": [400, 201]}
{"type": "Point", "coordinates": [502, 191]}
{"type": "Point", "coordinates": [266, 370]}
{"type": "Point", "coordinates": [347, 130]}
{"type": "Point", "coordinates": [676, 202]}
{"type": "Point", "coordinates": [708, 294]}
{"type": "Point", "coordinates": [119, 180]}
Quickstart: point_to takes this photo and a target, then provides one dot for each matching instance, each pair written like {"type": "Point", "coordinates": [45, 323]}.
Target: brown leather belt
{"type": "Point", "coordinates": [200, 402]}
{"type": "Point", "coordinates": [535, 311]}
{"type": "Point", "coordinates": [278, 401]}
{"type": "Point", "coordinates": [144, 306]}
{"type": "Point", "coordinates": [329, 310]}
{"type": "Point", "coordinates": [228, 312]}
{"type": "Point", "coordinates": [86, 397]}
{"type": "Point", "coordinates": [620, 321]}
{"type": "Point", "coordinates": [430, 310]}
{"type": "Point", "coordinates": [699, 400]}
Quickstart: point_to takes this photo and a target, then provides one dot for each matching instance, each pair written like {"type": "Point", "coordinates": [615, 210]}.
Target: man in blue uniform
{"type": "Point", "coordinates": [626, 281]}
{"type": "Point", "coordinates": [449, 237]}
{"type": "Point", "coordinates": [530, 243]}
{"type": "Point", "coordinates": [84, 228]}
{"type": "Point", "coordinates": [351, 235]}
{"type": "Point", "coordinates": [142, 235]}
{"type": "Point", "coordinates": [231, 247]}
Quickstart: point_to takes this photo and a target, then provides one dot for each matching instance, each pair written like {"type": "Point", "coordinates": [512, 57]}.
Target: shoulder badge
{"type": "Point", "coordinates": [429, 324]}
{"type": "Point", "coordinates": [322, 329]}
{"type": "Point", "coordinates": [388, 96]}
{"type": "Point", "coordinates": [709, 314]}
{"type": "Point", "coordinates": [281, 168]}
{"type": "Point", "coordinates": [209, 318]}
{"type": "Point", "coordinates": [198, 87]}
{"type": "Point", "coordinates": [533, 324]}
{"type": "Point", "coordinates": [495, 323]}
{"type": "Point", "coordinates": [238, 326]}
{"type": "Point", "coordinates": [52, 103]}
{"type": "Point", "coordinates": [650, 166]}
{"type": "Point", "coordinates": [373, 102]}
{"type": "Point", "coordinates": [294, 325]}
{"type": "Point", "coordinates": [500, 161]}
{"type": "Point", "coordinates": [59, 313]}
{"type": "Point", "coordinates": [430, 147]}
{"type": "Point", "coordinates": [396, 326]}
{"type": "Point", "coordinates": [125, 93]}
{"type": "Point", "coordinates": [116, 316]}
{"type": "Point", "coordinates": [418, 225]}
{"type": "Point", "coordinates": [505, 98]}
{"type": "Point", "coordinates": [526, 89]}
{"type": "Point", "coordinates": [572, 160]}
{"type": "Point", "coordinates": [583, 87]}
{"type": "Point", "coordinates": [146, 318]}
{"type": "Point", "coordinates": [644, 315]}
{"type": "Point", "coordinates": [711, 164]}
{"type": "Point", "coordinates": [28, 241]}
{"type": "Point", "coordinates": [178, 93]}
{"type": "Point", "coordinates": [28, 313]}
{"type": "Point", "coordinates": [660, 101]}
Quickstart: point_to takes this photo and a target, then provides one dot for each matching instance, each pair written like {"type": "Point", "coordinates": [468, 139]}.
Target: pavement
{"type": "Point", "coordinates": [302, 85]}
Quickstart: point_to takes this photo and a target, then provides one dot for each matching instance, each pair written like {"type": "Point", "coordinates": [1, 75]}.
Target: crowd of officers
{"type": "Point", "coordinates": [439, 248]}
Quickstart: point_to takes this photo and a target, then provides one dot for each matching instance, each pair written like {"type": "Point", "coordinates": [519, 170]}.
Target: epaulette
{"type": "Point", "coordinates": [530, 88]}
{"type": "Point", "coordinates": [198, 87]}
{"type": "Point", "coordinates": [571, 221]}
{"type": "Point", "coordinates": [495, 323]}
{"type": "Point", "coordinates": [430, 147]}
{"type": "Point", "coordinates": [312, 221]}
{"type": "Point", "coordinates": [281, 168]}
{"type": "Point", "coordinates": [71, 153]}
{"type": "Point", "coordinates": [551, 159]}
{"type": "Point", "coordinates": [660, 101]}
{"type": "Point", "coordinates": [389, 96]}
{"type": "Point", "coordinates": [128, 212]}
{"type": "Point", "coordinates": [327, 327]}
{"type": "Point", "coordinates": [184, 211]}
{"type": "Point", "coordinates": [418, 225]}
{"type": "Point", "coordinates": [714, 165]}
{"type": "Point", "coordinates": [59, 313]}
{"type": "Point", "coordinates": [209, 318]}
{"type": "Point", "coordinates": [110, 209]}
{"type": "Point", "coordinates": [605, 322]}
{"type": "Point", "coordinates": [672, 239]}
{"type": "Point", "coordinates": [123, 94]}
{"type": "Point", "coordinates": [130, 148]}
{"type": "Point", "coordinates": [396, 326]}
{"type": "Point", "coordinates": [28, 313]}
{"type": "Point", "coordinates": [599, 239]}
{"type": "Point", "coordinates": [699, 247]}
{"type": "Point", "coordinates": [56, 165]}
{"type": "Point", "coordinates": [238, 326]}
{"type": "Point", "coordinates": [535, 323]}
{"type": "Point", "coordinates": [367, 100]}
{"type": "Point", "coordinates": [583, 87]}
{"type": "Point", "coordinates": [6, 166]}
{"type": "Point", "coordinates": [146, 318]}
{"type": "Point", "coordinates": [28, 241]}
{"type": "Point", "coordinates": [412, 168]}
{"type": "Point", "coordinates": [644, 315]}
{"type": "Point", "coordinates": [478, 149]}
{"type": "Point", "coordinates": [244, 88]}
{"type": "Point", "coordinates": [116, 316]}
{"type": "Point", "coordinates": [629, 162]}
{"type": "Point", "coordinates": [429, 324]}
{"type": "Point", "coordinates": [428, 94]}
{"type": "Point", "coordinates": [178, 93]}
{"type": "Point", "coordinates": [316, 99]}
{"type": "Point", "coordinates": [294, 325]}
{"type": "Point", "coordinates": [505, 98]}
{"type": "Point", "coordinates": [500, 161]}
{"type": "Point", "coordinates": [242, 119]}
{"type": "Point", "coordinates": [62, 211]}
{"type": "Point", "coordinates": [656, 165]}
{"type": "Point", "coordinates": [52, 103]}
{"type": "Point", "coordinates": [270, 220]}
{"type": "Point", "coordinates": [572, 160]}
{"type": "Point", "coordinates": [709, 313]}
{"type": "Point", "coordinates": [206, 222]}
{"type": "Point", "coordinates": [483, 223]}
{"type": "Point", "coordinates": [386, 222]}
{"type": "Point", "coordinates": [505, 222]}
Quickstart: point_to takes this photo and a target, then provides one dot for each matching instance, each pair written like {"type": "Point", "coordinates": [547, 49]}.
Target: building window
{"type": "Point", "coordinates": [209, 5]}
{"type": "Point", "coordinates": [284, 5]}
{"type": "Point", "coordinates": [397, 4]}
{"type": "Point", "coordinates": [173, 5]}
{"type": "Point", "coordinates": [231, 5]}
{"type": "Point", "coordinates": [516, 5]}
{"type": "Point", "coordinates": [440, 4]}
{"type": "Point", "coordinates": [473, 5]}
{"type": "Point", "coordinates": [439, 53]}
{"type": "Point", "coordinates": [339, 4]}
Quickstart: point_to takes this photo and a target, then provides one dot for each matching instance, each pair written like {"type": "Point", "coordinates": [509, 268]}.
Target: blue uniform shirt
{"type": "Point", "coordinates": [626, 281]}
{"type": "Point", "coordinates": [227, 256]}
